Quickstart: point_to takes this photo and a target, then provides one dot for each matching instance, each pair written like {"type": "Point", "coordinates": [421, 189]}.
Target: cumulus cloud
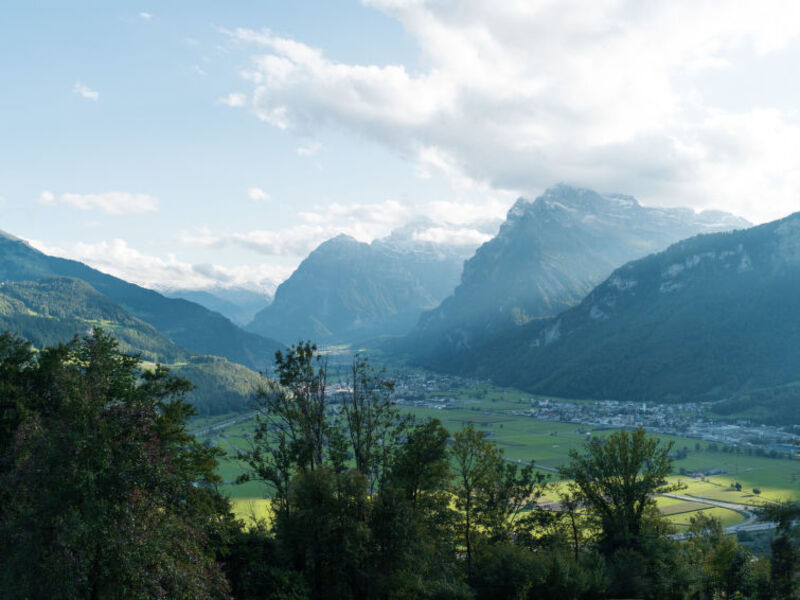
{"type": "Point", "coordinates": [117, 258]}
{"type": "Point", "coordinates": [518, 95]}
{"type": "Point", "coordinates": [85, 91]}
{"type": "Point", "coordinates": [145, 16]}
{"type": "Point", "coordinates": [294, 241]}
{"type": "Point", "coordinates": [198, 70]}
{"type": "Point", "coordinates": [111, 203]}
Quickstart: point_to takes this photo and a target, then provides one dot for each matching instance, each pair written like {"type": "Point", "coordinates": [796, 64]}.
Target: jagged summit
{"type": "Point", "coordinates": [712, 315]}
{"type": "Point", "coordinates": [346, 290]}
{"type": "Point", "coordinates": [546, 257]}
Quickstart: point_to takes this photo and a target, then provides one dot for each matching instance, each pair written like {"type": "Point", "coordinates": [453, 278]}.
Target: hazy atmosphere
{"type": "Point", "coordinates": [400, 300]}
{"type": "Point", "coordinates": [202, 144]}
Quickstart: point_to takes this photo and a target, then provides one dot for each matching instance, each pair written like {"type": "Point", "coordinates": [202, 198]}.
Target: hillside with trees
{"type": "Point", "coordinates": [187, 324]}
{"type": "Point", "coordinates": [365, 503]}
{"type": "Point", "coordinates": [55, 310]}
{"type": "Point", "coordinates": [548, 254]}
{"type": "Point", "coordinates": [711, 317]}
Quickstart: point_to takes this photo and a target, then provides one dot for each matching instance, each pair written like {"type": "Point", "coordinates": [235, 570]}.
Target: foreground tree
{"type": "Point", "coordinates": [784, 552]}
{"type": "Point", "coordinates": [292, 424]}
{"type": "Point", "coordinates": [103, 493]}
{"type": "Point", "coordinates": [490, 492]}
{"type": "Point", "coordinates": [615, 479]}
{"type": "Point", "coordinates": [373, 423]}
{"type": "Point", "coordinates": [722, 568]}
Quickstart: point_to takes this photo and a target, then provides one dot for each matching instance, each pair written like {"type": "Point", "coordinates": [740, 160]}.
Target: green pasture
{"type": "Point", "coordinates": [547, 444]}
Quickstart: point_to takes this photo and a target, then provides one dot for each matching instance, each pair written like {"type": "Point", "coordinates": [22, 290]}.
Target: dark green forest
{"type": "Point", "coordinates": [713, 317]}
{"type": "Point", "coordinates": [104, 494]}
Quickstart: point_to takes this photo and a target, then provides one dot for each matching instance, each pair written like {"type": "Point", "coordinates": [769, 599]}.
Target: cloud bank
{"type": "Point", "coordinates": [117, 258]}
{"type": "Point", "coordinates": [611, 94]}
{"type": "Point", "coordinates": [111, 203]}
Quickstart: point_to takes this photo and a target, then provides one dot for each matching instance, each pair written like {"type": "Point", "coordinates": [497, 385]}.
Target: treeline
{"type": "Point", "coordinates": [104, 494]}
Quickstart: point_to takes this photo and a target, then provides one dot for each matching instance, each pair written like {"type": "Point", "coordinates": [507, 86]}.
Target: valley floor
{"type": "Point", "coordinates": [501, 413]}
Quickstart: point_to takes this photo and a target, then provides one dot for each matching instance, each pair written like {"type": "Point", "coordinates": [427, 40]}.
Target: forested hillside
{"type": "Point", "coordinates": [548, 254]}
{"type": "Point", "coordinates": [187, 324]}
{"type": "Point", "coordinates": [712, 316]}
{"type": "Point", "coordinates": [55, 310]}
{"type": "Point", "coordinates": [365, 503]}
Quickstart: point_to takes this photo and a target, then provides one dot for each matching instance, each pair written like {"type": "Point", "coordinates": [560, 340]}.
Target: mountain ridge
{"type": "Point", "coordinates": [186, 323]}
{"type": "Point", "coordinates": [54, 310]}
{"type": "Point", "coordinates": [711, 316]}
{"type": "Point", "coordinates": [349, 291]}
{"type": "Point", "coordinates": [547, 255]}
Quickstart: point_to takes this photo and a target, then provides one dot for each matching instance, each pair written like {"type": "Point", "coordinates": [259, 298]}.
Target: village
{"type": "Point", "coordinates": [694, 420]}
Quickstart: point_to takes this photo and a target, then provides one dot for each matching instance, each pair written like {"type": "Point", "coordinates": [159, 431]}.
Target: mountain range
{"type": "Point", "coordinates": [239, 305]}
{"type": "Point", "coordinates": [712, 317]}
{"type": "Point", "coordinates": [189, 325]}
{"type": "Point", "coordinates": [579, 295]}
{"type": "Point", "coordinates": [548, 254]}
{"type": "Point", "coordinates": [53, 310]}
{"type": "Point", "coordinates": [351, 291]}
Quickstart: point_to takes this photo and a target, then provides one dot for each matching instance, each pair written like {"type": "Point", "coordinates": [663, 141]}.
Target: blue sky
{"type": "Point", "coordinates": [216, 143]}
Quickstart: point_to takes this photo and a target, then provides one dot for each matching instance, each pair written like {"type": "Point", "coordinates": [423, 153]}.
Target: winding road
{"type": "Point", "coordinates": [750, 522]}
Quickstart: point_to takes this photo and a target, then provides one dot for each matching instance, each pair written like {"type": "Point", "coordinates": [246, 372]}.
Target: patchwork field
{"type": "Point", "coordinates": [547, 444]}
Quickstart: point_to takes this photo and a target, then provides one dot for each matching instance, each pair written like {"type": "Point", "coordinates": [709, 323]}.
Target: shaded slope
{"type": "Point", "coordinates": [547, 256]}
{"type": "Point", "coordinates": [711, 316]}
{"type": "Point", "coordinates": [53, 310]}
{"type": "Point", "coordinates": [186, 323]}
{"type": "Point", "coordinates": [347, 290]}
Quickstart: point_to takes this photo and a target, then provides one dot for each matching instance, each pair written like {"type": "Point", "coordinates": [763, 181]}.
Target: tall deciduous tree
{"type": "Point", "coordinates": [616, 478]}
{"type": "Point", "coordinates": [103, 493]}
{"type": "Point", "coordinates": [475, 461]}
{"type": "Point", "coordinates": [373, 422]}
{"type": "Point", "coordinates": [291, 425]}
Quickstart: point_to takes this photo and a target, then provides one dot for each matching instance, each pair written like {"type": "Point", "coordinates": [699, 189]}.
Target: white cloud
{"type": "Point", "coordinates": [85, 91]}
{"type": "Point", "coordinates": [145, 15]}
{"type": "Point", "coordinates": [233, 100]}
{"type": "Point", "coordinates": [198, 70]}
{"type": "Point", "coordinates": [111, 203]}
{"type": "Point", "coordinates": [117, 258]}
{"type": "Point", "coordinates": [452, 236]}
{"type": "Point", "coordinates": [519, 95]}
{"type": "Point", "coordinates": [366, 222]}
{"type": "Point", "coordinates": [257, 194]}
{"type": "Point", "coordinates": [309, 149]}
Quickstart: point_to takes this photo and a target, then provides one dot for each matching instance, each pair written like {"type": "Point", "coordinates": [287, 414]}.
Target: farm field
{"type": "Point", "coordinates": [548, 444]}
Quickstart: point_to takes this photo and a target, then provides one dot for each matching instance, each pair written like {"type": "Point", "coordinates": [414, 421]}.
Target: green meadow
{"type": "Point", "coordinates": [547, 444]}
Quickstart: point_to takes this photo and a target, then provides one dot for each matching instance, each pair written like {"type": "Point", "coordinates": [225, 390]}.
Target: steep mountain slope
{"type": "Point", "coordinates": [54, 310]}
{"type": "Point", "coordinates": [547, 256]}
{"type": "Point", "coordinates": [711, 316]}
{"type": "Point", "coordinates": [186, 323]}
{"type": "Point", "coordinates": [347, 290]}
{"type": "Point", "coordinates": [239, 305]}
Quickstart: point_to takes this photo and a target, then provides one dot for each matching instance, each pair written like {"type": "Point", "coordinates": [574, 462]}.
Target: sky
{"type": "Point", "coordinates": [193, 144]}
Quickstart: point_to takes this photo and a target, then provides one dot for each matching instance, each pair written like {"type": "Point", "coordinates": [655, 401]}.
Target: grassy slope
{"type": "Point", "coordinates": [54, 310]}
